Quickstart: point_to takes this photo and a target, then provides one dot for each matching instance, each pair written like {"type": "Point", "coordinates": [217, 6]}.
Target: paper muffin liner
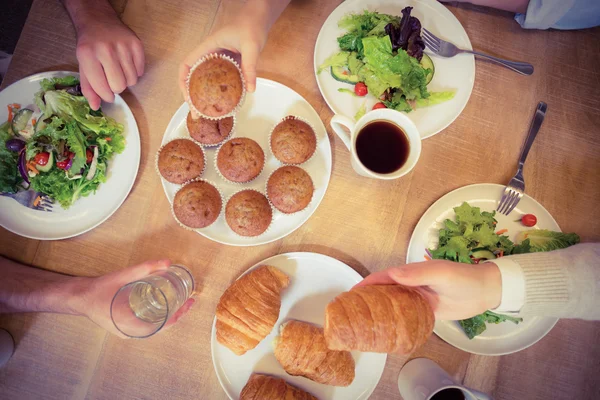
{"type": "Point", "coordinates": [210, 146]}
{"type": "Point", "coordinates": [312, 197]}
{"type": "Point", "coordinates": [162, 147]}
{"type": "Point", "coordinates": [299, 119]}
{"type": "Point", "coordinates": [211, 57]}
{"type": "Point", "coordinates": [272, 214]}
{"type": "Point", "coordinates": [230, 181]}
{"type": "Point", "coordinates": [221, 212]}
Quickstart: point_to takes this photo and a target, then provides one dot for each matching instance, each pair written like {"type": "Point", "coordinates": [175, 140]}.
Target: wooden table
{"type": "Point", "coordinates": [364, 223]}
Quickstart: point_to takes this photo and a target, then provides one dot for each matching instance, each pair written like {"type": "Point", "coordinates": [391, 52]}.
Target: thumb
{"type": "Point", "coordinates": [137, 272]}
{"type": "Point", "coordinates": [250, 53]}
{"type": "Point", "coordinates": [417, 274]}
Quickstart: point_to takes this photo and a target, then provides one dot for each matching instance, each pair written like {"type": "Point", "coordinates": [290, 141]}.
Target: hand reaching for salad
{"type": "Point", "coordinates": [245, 36]}
{"type": "Point", "coordinates": [455, 291]}
{"type": "Point", "coordinates": [110, 55]}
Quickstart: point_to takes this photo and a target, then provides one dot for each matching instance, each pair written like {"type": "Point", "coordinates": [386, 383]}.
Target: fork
{"type": "Point", "coordinates": [28, 199]}
{"type": "Point", "coordinates": [516, 187]}
{"type": "Point", "coordinates": [447, 49]}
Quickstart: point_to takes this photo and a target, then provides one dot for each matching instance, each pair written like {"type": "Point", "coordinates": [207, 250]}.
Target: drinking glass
{"type": "Point", "coordinates": [141, 308]}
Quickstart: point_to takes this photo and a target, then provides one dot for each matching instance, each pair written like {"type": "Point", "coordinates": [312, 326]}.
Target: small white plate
{"type": "Point", "coordinates": [87, 212]}
{"type": "Point", "coordinates": [457, 73]}
{"type": "Point", "coordinates": [507, 337]}
{"type": "Point", "coordinates": [315, 280]}
{"type": "Point", "coordinates": [261, 111]}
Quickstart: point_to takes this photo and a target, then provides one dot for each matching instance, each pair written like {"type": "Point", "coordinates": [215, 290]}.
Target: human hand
{"type": "Point", "coordinates": [97, 294]}
{"type": "Point", "coordinates": [111, 58]}
{"type": "Point", "coordinates": [244, 36]}
{"type": "Point", "coordinates": [455, 291]}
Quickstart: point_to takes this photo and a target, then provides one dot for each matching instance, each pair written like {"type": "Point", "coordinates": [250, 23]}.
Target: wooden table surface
{"type": "Point", "coordinates": [364, 223]}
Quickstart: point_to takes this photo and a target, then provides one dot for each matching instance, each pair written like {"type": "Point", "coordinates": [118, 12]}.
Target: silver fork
{"type": "Point", "coordinates": [516, 187]}
{"type": "Point", "coordinates": [28, 199]}
{"type": "Point", "coordinates": [447, 49]}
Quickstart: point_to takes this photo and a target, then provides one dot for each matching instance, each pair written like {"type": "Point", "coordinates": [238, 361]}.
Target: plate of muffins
{"type": "Point", "coordinates": [240, 168]}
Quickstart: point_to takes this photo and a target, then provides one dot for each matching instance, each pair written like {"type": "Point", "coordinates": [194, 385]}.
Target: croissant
{"type": "Point", "coordinates": [265, 387]}
{"type": "Point", "coordinates": [379, 318]}
{"type": "Point", "coordinates": [301, 351]}
{"type": "Point", "coordinates": [249, 309]}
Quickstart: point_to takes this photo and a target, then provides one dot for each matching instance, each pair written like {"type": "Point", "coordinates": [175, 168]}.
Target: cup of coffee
{"type": "Point", "coordinates": [423, 379]}
{"type": "Point", "coordinates": [383, 144]}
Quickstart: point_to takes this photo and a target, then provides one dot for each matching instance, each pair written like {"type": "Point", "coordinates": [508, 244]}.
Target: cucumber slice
{"type": "Point", "coordinates": [427, 63]}
{"type": "Point", "coordinates": [48, 166]}
{"type": "Point", "coordinates": [21, 119]}
{"type": "Point", "coordinates": [481, 254]}
{"type": "Point", "coordinates": [342, 75]}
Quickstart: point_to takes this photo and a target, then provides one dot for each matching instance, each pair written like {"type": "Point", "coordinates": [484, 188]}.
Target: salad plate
{"type": "Point", "coordinates": [85, 213]}
{"type": "Point", "coordinates": [261, 111]}
{"type": "Point", "coordinates": [315, 280]}
{"type": "Point", "coordinates": [450, 74]}
{"type": "Point", "coordinates": [497, 339]}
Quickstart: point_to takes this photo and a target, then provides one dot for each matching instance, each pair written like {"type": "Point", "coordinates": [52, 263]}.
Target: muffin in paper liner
{"type": "Point", "coordinates": [187, 85]}
{"type": "Point", "coordinates": [299, 119]}
{"type": "Point", "coordinates": [270, 206]}
{"type": "Point", "coordinates": [233, 182]}
{"type": "Point", "coordinates": [221, 211]}
{"type": "Point", "coordinates": [213, 145]}
{"type": "Point", "coordinates": [273, 205]}
{"type": "Point", "coordinates": [170, 141]}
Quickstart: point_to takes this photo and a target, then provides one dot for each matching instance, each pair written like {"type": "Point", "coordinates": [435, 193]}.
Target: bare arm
{"type": "Point", "coordinates": [110, 55]}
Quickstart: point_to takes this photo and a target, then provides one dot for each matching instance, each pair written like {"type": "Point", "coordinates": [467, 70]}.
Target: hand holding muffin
{"type": "Point", "coordinates": [245, 35]}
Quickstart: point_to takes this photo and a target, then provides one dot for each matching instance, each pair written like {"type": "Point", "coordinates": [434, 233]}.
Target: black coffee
{"type": "Point", "coordinates": [382, 147]}
{"type": "Point", "coordinates": [449, 394]}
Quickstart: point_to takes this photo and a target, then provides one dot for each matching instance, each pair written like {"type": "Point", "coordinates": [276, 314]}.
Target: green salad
{"type": "Point", "coordinates": [473, 238]}
{"type": "Point", "coordinates": [60, 147]}
{"type": "Point", "coordinates": [382, 54]}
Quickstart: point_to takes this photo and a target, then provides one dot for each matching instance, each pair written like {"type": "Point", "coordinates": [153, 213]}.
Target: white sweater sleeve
{"type": "Point", "coordinates": [563, 283]}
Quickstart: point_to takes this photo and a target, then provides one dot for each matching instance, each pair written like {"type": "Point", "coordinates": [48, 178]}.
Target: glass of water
{"type": "Point", "coordinates": [141, 308]}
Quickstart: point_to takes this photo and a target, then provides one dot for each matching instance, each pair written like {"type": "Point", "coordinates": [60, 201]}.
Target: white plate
{"type": "Point", "coordinates": [261, 111]}
{"type": "Point", "coordinates": [87, 212]}
{"type": "Point", "coordinates": [315, 280]}
{"type": "Point", "coordinates": [457, 73]}
{"type": "Point", "coordinates": [504, 338]}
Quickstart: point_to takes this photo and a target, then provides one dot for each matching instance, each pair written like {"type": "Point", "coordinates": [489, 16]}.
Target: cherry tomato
{"type": "Point", "coordinates": [529, 220]}
{"type": "Point", "coordinates": [41, 158]}
{"type": "Point", "coordinates": [89, 155]}
{"type": "Point", "coordinates": [361, 89]}
{"type": "Point", "coordinates": [379, 105]}
{"type": "Point", "coordinates": [62, 164]}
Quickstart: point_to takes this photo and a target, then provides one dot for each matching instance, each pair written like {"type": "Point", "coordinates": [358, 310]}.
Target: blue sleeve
{"type": "Point", "coordinates": [560, 14]}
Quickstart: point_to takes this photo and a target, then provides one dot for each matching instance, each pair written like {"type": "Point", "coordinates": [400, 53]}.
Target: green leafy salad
{"type": "Point", "coordinates": [472, 238]}
{"type": "Point", "coordinates": [383, 55]}
{"type": "Point", "coordinates": [62, 149]}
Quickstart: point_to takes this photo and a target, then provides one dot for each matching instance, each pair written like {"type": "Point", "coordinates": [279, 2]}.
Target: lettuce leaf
{"type": "Point", "coordinates": [9, 173]}
{"type": "Point", "coordinates": [436, 98]}
{"type": "Point", "coordinates": [544, 240]}
{"type": "Point", "coordinates": [53, 83]}
{"type": "Point", "coordinates": [336, 60]}
{"type": "Point", "coordinates": [407, 34]}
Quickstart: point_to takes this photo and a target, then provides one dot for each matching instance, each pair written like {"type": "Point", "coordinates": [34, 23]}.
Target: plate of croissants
{"type": "Point", "coordinates": [293, 327]}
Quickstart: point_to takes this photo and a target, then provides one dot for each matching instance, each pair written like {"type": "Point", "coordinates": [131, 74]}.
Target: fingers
{"type": "Point", "coordinates": [184, 71]}
{"type": "Point", "coordinates": [127, 65]}
{"type": "Point", "coordinates": [91, 67]}
{"type": "Point", "coordinates": [377, 278]}
{"type": "Point", "coordinates": [181, 312]}
{"type": "Point", "coordinates": [140, 271]}
{"type": "Point", "coordinates": [91, 96]}
{"type": "Point", "coordinates": [109, 59]}
{"type": "Point", "coordinates": [250, 53]}
{"type": "Point", "coordinates": [139, 59]}
{"type": "Point", "coordinates": [417, 274]}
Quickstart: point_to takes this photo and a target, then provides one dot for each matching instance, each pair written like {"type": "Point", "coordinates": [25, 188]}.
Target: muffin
{"type": "Point", "coordinates": [197, 204]}
{"type": "Point", "coordinates": [215, 87]}
{"type": "Point", "coordinates": [293, 141]}
{"type": "Point", "coordinates": [240, 160]}
{"type": "Point", "coordinates": [248, 213]}
{"type": "Point", "coordinates": [180, 160]}
{"type": "Point", "coordinates": [290, 189]}
{"type": "Point", "coordinates": [209, 132]}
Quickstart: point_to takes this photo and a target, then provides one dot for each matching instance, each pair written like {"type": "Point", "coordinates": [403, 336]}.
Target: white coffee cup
{"type": "Point", "coordinates": [421, 379]}
{"type": "Point", "coordinates": [339, 122]}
